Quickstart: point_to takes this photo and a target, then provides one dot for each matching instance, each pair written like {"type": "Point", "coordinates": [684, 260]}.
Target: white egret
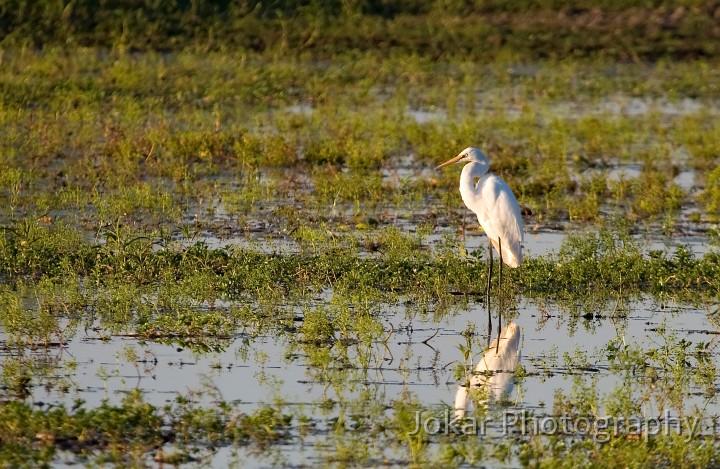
{"type": "Point", "coordinates": [494, 371]}
{"type": "Point", "coordinates": [496, 208]}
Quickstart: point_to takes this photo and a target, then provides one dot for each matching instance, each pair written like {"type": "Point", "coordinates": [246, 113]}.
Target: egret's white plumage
{"type": "Point", "coordinates": [494, 204]}
{"type": "Point", "coordinates": [494, 371]}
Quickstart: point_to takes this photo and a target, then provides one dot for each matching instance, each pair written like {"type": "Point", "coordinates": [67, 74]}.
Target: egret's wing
{"type": "Point", "coordinates": [502, 217]}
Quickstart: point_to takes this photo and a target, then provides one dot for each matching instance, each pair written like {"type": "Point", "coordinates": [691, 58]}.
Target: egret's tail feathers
{"type": "Point", "coordinates": [511, 256]}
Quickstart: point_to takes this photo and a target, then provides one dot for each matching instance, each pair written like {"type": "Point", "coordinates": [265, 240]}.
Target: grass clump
{"type": "Point", "coordinates": [130, 432]}
{"type": "Point", "coordinates": [711, 195]}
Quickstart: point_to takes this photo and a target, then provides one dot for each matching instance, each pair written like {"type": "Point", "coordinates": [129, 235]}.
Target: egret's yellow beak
{"type": "Point", "coordinates": [451, 161]}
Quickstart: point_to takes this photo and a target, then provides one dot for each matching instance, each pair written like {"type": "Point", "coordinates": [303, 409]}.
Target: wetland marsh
{"type": "Point", "coordinates": [232, 255]}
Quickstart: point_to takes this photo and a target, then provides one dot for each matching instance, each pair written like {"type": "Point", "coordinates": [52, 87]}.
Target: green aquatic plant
{"type": "Point", "coordinates": [711, 196]}
{"type": "Point", "coordinates": [131, 431]}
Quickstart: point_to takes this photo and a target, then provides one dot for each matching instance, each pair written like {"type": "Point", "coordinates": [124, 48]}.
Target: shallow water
{"type": "Point", "coordinates": [263, 369]}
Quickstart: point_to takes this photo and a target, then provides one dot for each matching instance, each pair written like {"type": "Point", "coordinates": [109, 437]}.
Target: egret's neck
{"type": "Point", "coordinates": [470, 173]}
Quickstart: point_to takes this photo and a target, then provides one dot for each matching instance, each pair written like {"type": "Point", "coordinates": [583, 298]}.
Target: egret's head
{"type": "Point", "coordinates": [468, 155]}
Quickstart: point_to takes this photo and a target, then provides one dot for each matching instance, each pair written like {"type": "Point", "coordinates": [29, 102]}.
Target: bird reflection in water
{"type": "Point", "coordinates": [494, 371]}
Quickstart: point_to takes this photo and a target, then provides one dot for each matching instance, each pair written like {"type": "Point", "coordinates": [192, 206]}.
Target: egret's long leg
{"type": "Point", "coordinates": [487, 292]}
{"type": "Point", "coordinates": [497, 348]}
